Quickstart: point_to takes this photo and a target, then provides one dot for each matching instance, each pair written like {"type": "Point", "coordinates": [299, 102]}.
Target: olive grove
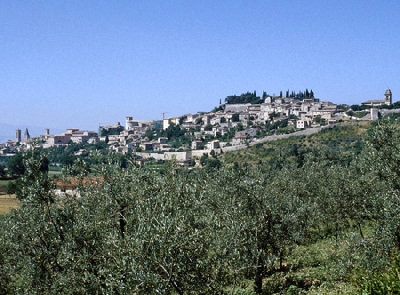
{"type": "Point", "coordinates": [135, 230]}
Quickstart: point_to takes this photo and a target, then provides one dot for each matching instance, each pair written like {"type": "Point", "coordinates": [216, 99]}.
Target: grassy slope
{"type": "Point", "coordinates": [312, 269]}
{"type": "Point", "coordinates": [345, 138]}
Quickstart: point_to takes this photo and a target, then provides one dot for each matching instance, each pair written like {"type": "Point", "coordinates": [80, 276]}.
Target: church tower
{"type": "Point", "coordinates": [27, 136]}
{"type": "Point", "coordinates": [388, 97]}
{"type": "Point", "coordinates": [18, 135]}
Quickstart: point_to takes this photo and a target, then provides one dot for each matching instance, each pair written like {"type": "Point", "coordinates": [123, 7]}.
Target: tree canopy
{"type": "Point", "coordinates": [248, 97]}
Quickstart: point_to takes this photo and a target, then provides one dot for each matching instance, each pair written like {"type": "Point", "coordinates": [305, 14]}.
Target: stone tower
{"type": "Point", "coordinates": [18, 135]}
{"type": "Point", "coordinates": [27, 136]}
{"type": "Point", "coordinates": [388, 97]}
{"type": "Point", "coordinates": [128, 123]}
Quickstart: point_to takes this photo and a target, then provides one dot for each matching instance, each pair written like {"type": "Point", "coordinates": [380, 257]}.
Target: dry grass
{"type": "Point", "coordinates": [7, 202]}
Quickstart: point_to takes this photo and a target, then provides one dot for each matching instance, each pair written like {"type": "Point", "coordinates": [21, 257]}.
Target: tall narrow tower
{"type": "Point", "coordinates": [27, 136]}
{"type": "Point", "coordinates": [46, 134]}
{"type": "Point", "coordinates": [18, 135]}
{"type": "Point", "coordinates": [388, 97]}
{"type": "Point", "coordinates": [128, 122]}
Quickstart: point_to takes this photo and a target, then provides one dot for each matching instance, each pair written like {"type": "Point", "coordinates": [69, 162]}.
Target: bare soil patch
{"type": "Point", "coordinates": [7, 202]}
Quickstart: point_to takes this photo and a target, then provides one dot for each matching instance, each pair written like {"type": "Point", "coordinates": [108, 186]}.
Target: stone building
{"type": "Point", "coordinates": [27, 136]}
{"type": "Point", "coordinates": [18, 135]}
{"type": "Point", "coordinates": [387, 100]}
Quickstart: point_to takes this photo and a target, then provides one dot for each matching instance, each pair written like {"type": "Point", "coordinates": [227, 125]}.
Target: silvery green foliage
{"type": "Point", "coordinates": [139, 231]}
{"type": "Point", "coordinates": [381, 165]}
{"type": "Point", "coordinates": [136, 231]}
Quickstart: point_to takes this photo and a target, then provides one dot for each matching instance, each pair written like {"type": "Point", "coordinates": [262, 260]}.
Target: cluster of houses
{"type": "Point", "coordinates": [205, 127]}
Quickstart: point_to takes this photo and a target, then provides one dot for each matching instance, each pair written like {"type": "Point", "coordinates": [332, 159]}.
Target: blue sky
{"type": "Point", "coordinates": [80, 63]}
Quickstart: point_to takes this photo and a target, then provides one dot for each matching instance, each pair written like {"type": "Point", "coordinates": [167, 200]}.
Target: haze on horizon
{"type": "Point", "coordinates": [81, 63]}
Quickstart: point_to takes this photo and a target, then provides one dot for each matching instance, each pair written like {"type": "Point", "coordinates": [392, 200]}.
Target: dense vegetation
{"type": "Point", "coordinates": [248, 97]}
{"type": "Point", "coordinates": [342, 141]}
{"type": "Point", "coordinates": [243, 227]}
{"type": "Point", "coordinates": [110, 130]}
{"type": "Point", "coordinates": [251, 97]}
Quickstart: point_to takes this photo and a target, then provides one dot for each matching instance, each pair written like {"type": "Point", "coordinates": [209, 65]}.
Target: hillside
{"type": "Point", "coordinates": [347, 138]}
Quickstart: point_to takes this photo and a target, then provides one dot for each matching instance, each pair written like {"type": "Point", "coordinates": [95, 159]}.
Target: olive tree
{"type": "Point", "coordinates": [380, 164]}
{"type": "Point", "coordinates": [257, 221]}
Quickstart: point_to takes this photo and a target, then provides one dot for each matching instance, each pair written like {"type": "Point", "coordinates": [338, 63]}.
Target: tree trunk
{"type": "Point", "coordinates": [259, 276]}
{"type": "Point", "coordinates": [122, 221]}
{"type": "Point", "coordinates": [281, 256]}
{"type": "Point", "coordinates": [361, 233]}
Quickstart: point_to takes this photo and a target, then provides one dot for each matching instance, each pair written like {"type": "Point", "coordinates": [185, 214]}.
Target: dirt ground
{"type": "Point", "coordinates": [7, 202]}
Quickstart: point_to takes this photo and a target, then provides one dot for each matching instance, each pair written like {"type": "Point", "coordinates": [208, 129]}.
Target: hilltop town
{"type": "Point", "coordinates": [237, 122]}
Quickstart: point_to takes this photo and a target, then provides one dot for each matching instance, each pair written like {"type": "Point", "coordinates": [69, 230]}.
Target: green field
{"type": "Point", "coordinates": [3, 186]}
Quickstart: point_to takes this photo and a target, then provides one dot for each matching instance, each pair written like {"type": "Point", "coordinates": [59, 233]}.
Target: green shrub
{"type": "Point", "coordinates": [385, 283]}
{"type": "Point", "coordinates": [12, 187]}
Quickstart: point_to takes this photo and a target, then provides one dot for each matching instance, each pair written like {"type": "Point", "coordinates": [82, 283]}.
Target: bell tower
{"type": "Point", "coordinates": [388, 97]}
{"type": "Point", "coordinates": [18, 135]}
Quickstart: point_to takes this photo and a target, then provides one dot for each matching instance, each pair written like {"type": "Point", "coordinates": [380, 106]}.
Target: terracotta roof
{"type": "Point", "coordinates": [73, 182]}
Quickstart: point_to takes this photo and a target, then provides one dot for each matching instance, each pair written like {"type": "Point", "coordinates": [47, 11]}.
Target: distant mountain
{"type": "Point", "coordinates": [7, 131]}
